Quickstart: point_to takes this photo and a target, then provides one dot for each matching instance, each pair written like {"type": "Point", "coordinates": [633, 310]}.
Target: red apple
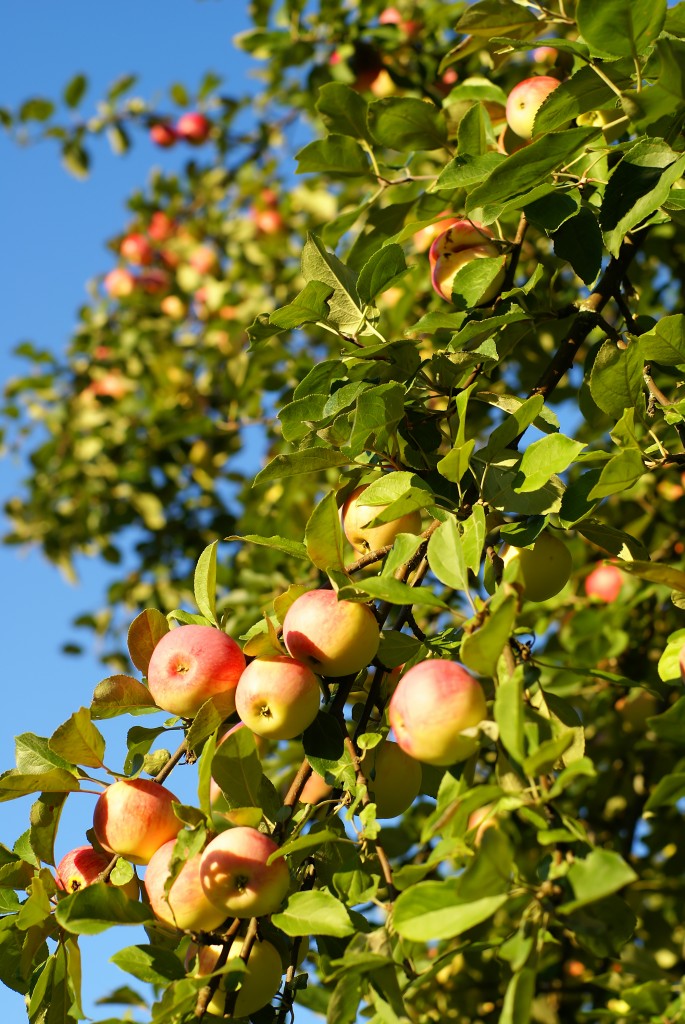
{"type": "Point", "coordinates": [363, 538]}
{"type": "Point", "coordinates": [136, 248]}
{"type": "Point", "coordinates": [394, 779]}
{"type": "Point", "coordinates": [163, 135]}
{"type": "Point", "coordinates": [546, 566]}
{"type": "Point", "coordinates": [524, 101]}
{"type": "Point", "coordinates": [112, 384]}
{"type": "Point", "coordinates": [268, 222]}
{"type": "Point", "coordinates": [235, 875]}
{"type": "Point", "coordinates": [545, 55]}
{"type": "Point", "coordinates": [186, 906]}
{"type": "Point", "coordinates": [194, 128]}
{"type": "Point", "coordinates": [204, 259]}
{"type": "Point", "coordinates": [119, 283]}
{"type": "Point", "coordinates": [134, 817]}
{"type": "Point", "coordinates": [189, 665]}
{"type": "Point", "coordinates": [462, 242]}
{"type": "Point", "coordinates": [162, 227]}
{"type": "Point", "coordinates": [277, 697]}
{"type": "Point", "coordinates": [434, 701]}
{"type": "Point", "coordinates": [81, 867]}
{"type": "Point", "coordinates": [259, 984]}
{"type": "Point", "coordinates": [334, 638]}
{"type": "Point", "coordinates": [604, 583]}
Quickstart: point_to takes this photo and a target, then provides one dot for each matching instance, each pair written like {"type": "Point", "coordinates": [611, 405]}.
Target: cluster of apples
{"type": "Point", "coordinates": [192, 127]}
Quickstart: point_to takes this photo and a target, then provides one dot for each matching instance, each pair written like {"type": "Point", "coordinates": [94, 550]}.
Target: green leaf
{"type": "Point", "coordinates": [475, 279]}
{"type": "Point", "coordinates": [343, 110]}
{"type": "Point", "coordinates": [315, 912]}
{"type": "Point", "coordinates": [204, 582]}
{"type": "Point", "coordinates": [79, 741]}
{"type": "Point", "coordinates": [44, 817]}
{"type": "Point", "coordinates": [210, 716]}
{"type": "Point", "coordinates": [121, 695]}
{"type": "Point", "coordinates": [667, 792]}
{"type": "Point", "coordinates": [621, 472]}
{"type": "Point", "coordinates": [466, 170]}
{"type": "Point", "coordinates": [312, 460]}
{"type": "Point", "coordinates": [480, 650]}
{"type": "Point", "coordinates": [401, 492]}
{"type": "Point", "coordinates": [637, 187]}
{"type": "Point", "coordinates": [446, 556]}
{"type": "Point", "coordinates": [582, 92]}
{"type": "Point", "coordinates": [656, 572]}
{"type": "Point", "coordinates": [579, 242]}
{"type": "Point", "coordinates": [523, 171]}
{"type": "Point", "coordinates": [518, 999]}
{"type": "Point", "coordinates": [36, 109]}
{"type": "Point", "coordinates": [602, 873]}
{"type": "Point", "coordinates": [379, 411]}
{"type": "Point", "coordinates": [496, 17]}
{"type": "Point", "coordinates": [322, 266]}
{"type": "Point", "coordinates": [429, 911]}
{"type": "Point", "coordinates": [665, 343]}
{"type": "Point", "coordinates": [338, 156]}
{"type": "Point", "coordinates": [407, 124]}
{"type": "Point", "coordinates": [13, 784]}
{"type": "Point", "coordinates": [33, 755]}
{"type": "Point", "coordinates": [75, 90]}
{"type": "Point", "coordinates": [385, 588]}
{"type": "Point", "coordinates": [381, 271]}
{"type": "Point", "coordinates": [616, 379]}
{"type": "Point", "coordinates": [618, 29]}
{"type": "Point", "coordinates": [551, 454]}
{"type": "Point", "coordinates": [237, 769]}
{"type": "Point", "coordinates": [324, 536]}
{"type": "Point", "coordinates": [308, 307]}
{"type": "Point", "coordinates": [151, 964]}
{"type": "Point", "coordinates": [499, 477]}
{"type": "Point", "coordinates": [295, 548]}
{"type": "Point", "coordinates": [97, 907]}
{"type": "Point", "coordinates": [144, 633]}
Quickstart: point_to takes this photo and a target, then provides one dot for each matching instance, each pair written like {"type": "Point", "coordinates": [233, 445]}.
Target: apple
{"type": "Point", "coordinates": [546, 566]}
{"type": "Point", "coordinates": [189, 665]}
{"type": "Point", "coordinates": [462, 242]}
{"type": "Point", "coordinates": [332, 637]}
{"type": "Point", "coordinates": [545, 55]}
{"type": "Point", "coordinates": [481, 820]}
{"type": "Point", "coordinates": [424, 237]}
{"type": "Point", "coordinates": [434, 701]}
{"type": "Point", "coordinates": [119, 283]}
{"type": "Point", "coordinates": [277, 697]}
{"type": "Point", "coordinates": [394, 779]}
{"type": "Point", "coordinates": [524, 101]}
{"type": "Point", "coordinates": [163, 135]}
{"type": "Point", "coordinates": [235, 875]}
{"type": "Point", "coordinates": [174, 307]}
{"type": "Point", "coordinates": [136, 248]}
{"type": "Point", "coordinates": [194, 128]}
{"type": "Point", "coordinates": [134, 817]}
{"type": "Point", "coordinates": [161, 227]}
{"type": "Point", "coordinates": [186, 906]}
{"type": "Point", "coordinates": [268, 222]}
{"type": "Point", "coordinates": [81, 867]}
{"type": "Point", "coordinates": [112, 384]}
{"type": "Point", "coordinates": [363, 538]}
{"type": "Point", "coordinates": [391, 16]}
{"type": "Point", "coordinates": [315, 790]}
{"type": "Point", "coordinates": [605, 583]}
{"type": "Point", "coordinates": [154, 280]}
{"type": "Point", "coordinates": [508, 142]}
{"type": "Point", "coordinates": [204, 259]}
{"type": "Point", "coordinates": [259, 984]}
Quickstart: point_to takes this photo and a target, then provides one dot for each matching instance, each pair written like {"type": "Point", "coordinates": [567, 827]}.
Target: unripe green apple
{"type": "Point", "coordinates": [524, 101]}
{"type": "Point", "coordinates": [235, 875]}
{"type": "Point", "coordinates": [277, 697]}
{"type": "Point", "coordinates": [134, 817]}
{"type": "Point", "coordinates": [546, 566]}
{"type": "Point", "coordinates": [434, 701]}
{"type": "Point", "coordinates": [81, 867]}
{"type": "Point", "coordinates": [186, 906]}
{"type": "Point", "coordinates": [462, 242]}
{"type": "Point", "coordinates": [604, 583]}
{"type": "Point", "coordinates": [334, 638]}
{"type": "Point", "coordinates": [259, 984]}
{"type": "Point", "coordinates": [189, 665]}
{"type": "Point", "coordinates": [363, 538]}
{"type": "Point", "coordinates": [394, 779]}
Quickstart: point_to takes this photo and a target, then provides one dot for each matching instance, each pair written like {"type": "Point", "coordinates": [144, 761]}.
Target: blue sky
{"type": "Point", "coordinates": [54, 230]}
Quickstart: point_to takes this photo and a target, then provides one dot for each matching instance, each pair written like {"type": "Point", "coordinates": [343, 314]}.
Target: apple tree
{"type": "Point", "coordinates": [388, 384]}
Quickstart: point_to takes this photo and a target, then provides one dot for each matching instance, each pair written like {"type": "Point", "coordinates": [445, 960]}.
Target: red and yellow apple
{"type": "Point", "coordinates": [136, 248]}
{"type": "Point", "coordinates": [134, 817]}
{"type": "Point", "coordinates": [186, 907]}
{"type": "Point", "coordinates": [194, 128]}
{"type": "Point", "coordinates": [393, 777]}
{"type": "Point", "coordinates": [81, 867]}
{"type": "Point", "coordinates": [162, 227]}
{"type": "Point", "coordinates": [364, 538]}
{"type": "Point", "coordinates": [258, 985]}
{"type": "Point", "coordinates": [546, 566]}
{"type": "Point", "coordinates": [119, 283]}
{"type": "Point", "coordinates": [267, 221]}
{"type": "Point", "coordinates": [604, 583]}
{"type": "Point", "coordinates": [203, 259]}
{"type": "Point", "coordinates": [163, 135]}
{"type": "Point", "coordinates": [174, 307]}
{"type": "Point", "coordinates": [434, 701]}
{"type": "Point", "coordinates": [334, 638]}
{"type": "Point", "coordinates": [235, 875]}
{"type": "Point", "coordinates": [524, 101]}
{"type": "Point", "coordinates": [277, 697]}
{"type": "Point", "coordinates": [315, 790]}
{"type": "Point", "coordinates": [461, 243]}
{"type": "Point", "coordinates": [189, 665]}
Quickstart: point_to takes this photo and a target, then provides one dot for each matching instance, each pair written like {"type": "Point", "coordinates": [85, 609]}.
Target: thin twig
{"type": "Point", "coordinates": [366, 799]}
{"type": "Point", "coordinates": [206, 994]}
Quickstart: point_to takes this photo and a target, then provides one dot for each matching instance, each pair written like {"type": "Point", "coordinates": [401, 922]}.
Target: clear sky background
{"type": "Point", "coordinates": [54, 232]}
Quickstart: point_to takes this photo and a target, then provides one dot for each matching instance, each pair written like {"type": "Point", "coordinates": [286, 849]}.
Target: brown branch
{"type": "Point", "coordinates": [206, 994]}
{"type": "Point", "coordinates": [171, 763]}
{"type": "Point", "coordinates": [515, 254]}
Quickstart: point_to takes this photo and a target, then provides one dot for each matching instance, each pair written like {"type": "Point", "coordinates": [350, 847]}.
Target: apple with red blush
{"type": "Point", "coordinates": [134, 817]}
{"type": "Point", "coordinates": [192, 663]}
{"type": "Point", "coordinates": [459, 244]}
{"type": "Point", "coordinates": [236, 877]}
{"type": "Point", "coordinates": [185, 907]}
{"type": "Point", "coordinates": [277, 697]}
{"type": "Point", "coordinates": [334, 638]}
{"type": "Point", "coordinates": [194, 128]}
{"type": "Point", "coordinates": [83, 865]}
{"type": "Point", "coordinates": [524, 101]}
